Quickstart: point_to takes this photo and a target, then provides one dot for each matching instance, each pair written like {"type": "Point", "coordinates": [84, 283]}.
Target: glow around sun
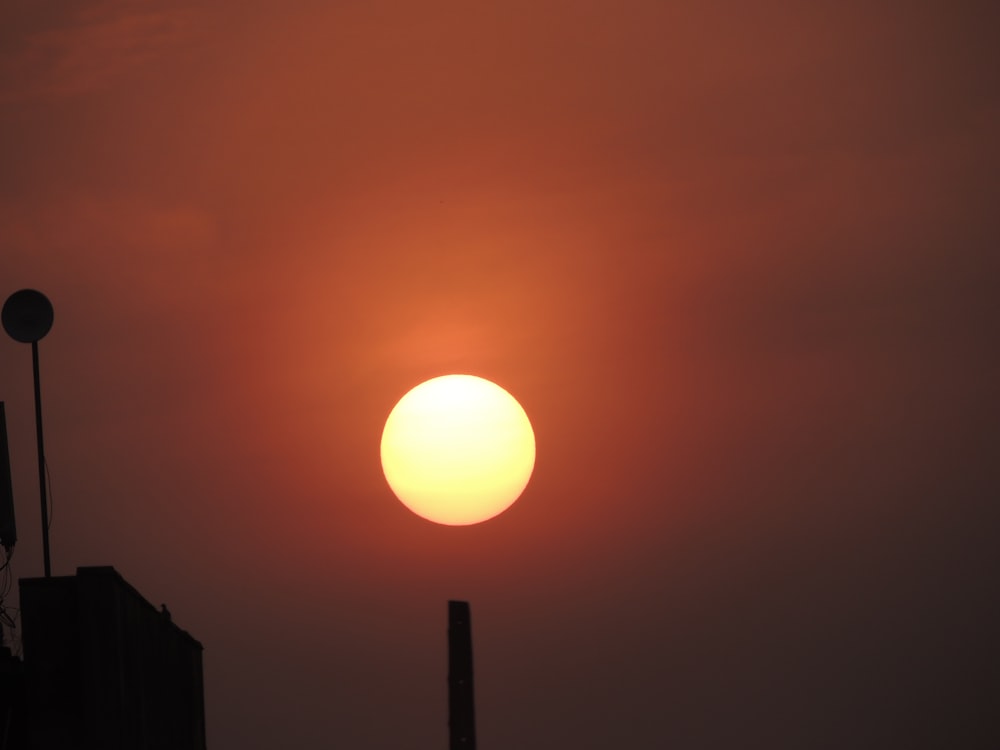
{"type": "Point", "coordinates": [458, 450]}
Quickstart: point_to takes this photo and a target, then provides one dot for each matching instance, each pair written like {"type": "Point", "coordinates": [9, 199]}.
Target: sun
{"type": "Point", "coordinates": [458, 450]}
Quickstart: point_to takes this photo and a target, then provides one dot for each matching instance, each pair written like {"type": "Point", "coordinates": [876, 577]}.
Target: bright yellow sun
{"type": "Point", "coordinates": [458, 450]}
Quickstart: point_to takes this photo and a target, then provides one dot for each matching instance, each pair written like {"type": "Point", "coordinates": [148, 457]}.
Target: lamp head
{"type": "Point", "coordinates": [27, 316]}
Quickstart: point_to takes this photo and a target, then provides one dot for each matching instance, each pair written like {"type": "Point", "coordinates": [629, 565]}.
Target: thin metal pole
{"type": "Point", "coordinates": [41, 460]}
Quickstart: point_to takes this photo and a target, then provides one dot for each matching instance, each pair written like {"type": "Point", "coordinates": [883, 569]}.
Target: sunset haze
{"type": "Point", "coordinates": [738, 262]}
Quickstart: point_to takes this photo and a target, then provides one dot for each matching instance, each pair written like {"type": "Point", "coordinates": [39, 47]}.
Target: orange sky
{"type": "Point", "coordinates": [737, 261]}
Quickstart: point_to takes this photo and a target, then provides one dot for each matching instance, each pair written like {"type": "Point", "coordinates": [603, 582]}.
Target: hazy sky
{"type": "Point", "coordinates": [738, 261]}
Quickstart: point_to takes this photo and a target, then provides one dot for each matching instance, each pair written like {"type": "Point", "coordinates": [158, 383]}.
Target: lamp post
{"type": "Point", "coordinates": [27, 316]}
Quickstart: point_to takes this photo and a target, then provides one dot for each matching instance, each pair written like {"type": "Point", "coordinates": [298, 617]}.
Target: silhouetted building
{"type": "Point", "coordinates": [13, 728]}
{"type": "Point", "coordinates": [105, 670]}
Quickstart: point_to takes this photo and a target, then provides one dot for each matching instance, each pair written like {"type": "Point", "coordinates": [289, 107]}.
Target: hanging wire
{"type": "Point", "coordinates": [7, 615]}
{"type": "Point", "coordinates": [6, 579]}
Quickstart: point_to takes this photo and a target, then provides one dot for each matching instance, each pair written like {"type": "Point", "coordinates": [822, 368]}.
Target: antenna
{"type": "Point", "coordinates": [27, 316]}
{"type": "Point", "coordinates": [8, 530]}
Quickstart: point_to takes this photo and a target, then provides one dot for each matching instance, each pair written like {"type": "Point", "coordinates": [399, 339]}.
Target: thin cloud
{"type": "Point", "coordinates": [115, 244]}
{"type": "Point", "coordinates": [92, 49]}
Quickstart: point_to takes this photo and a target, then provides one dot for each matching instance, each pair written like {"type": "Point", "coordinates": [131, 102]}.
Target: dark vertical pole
{"type": "Point", "coordinates": [8, 528]}
{"type": "Point", "coordinates": [41, 459]}
{"type": "Point", "coordinates": [461, 706]}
